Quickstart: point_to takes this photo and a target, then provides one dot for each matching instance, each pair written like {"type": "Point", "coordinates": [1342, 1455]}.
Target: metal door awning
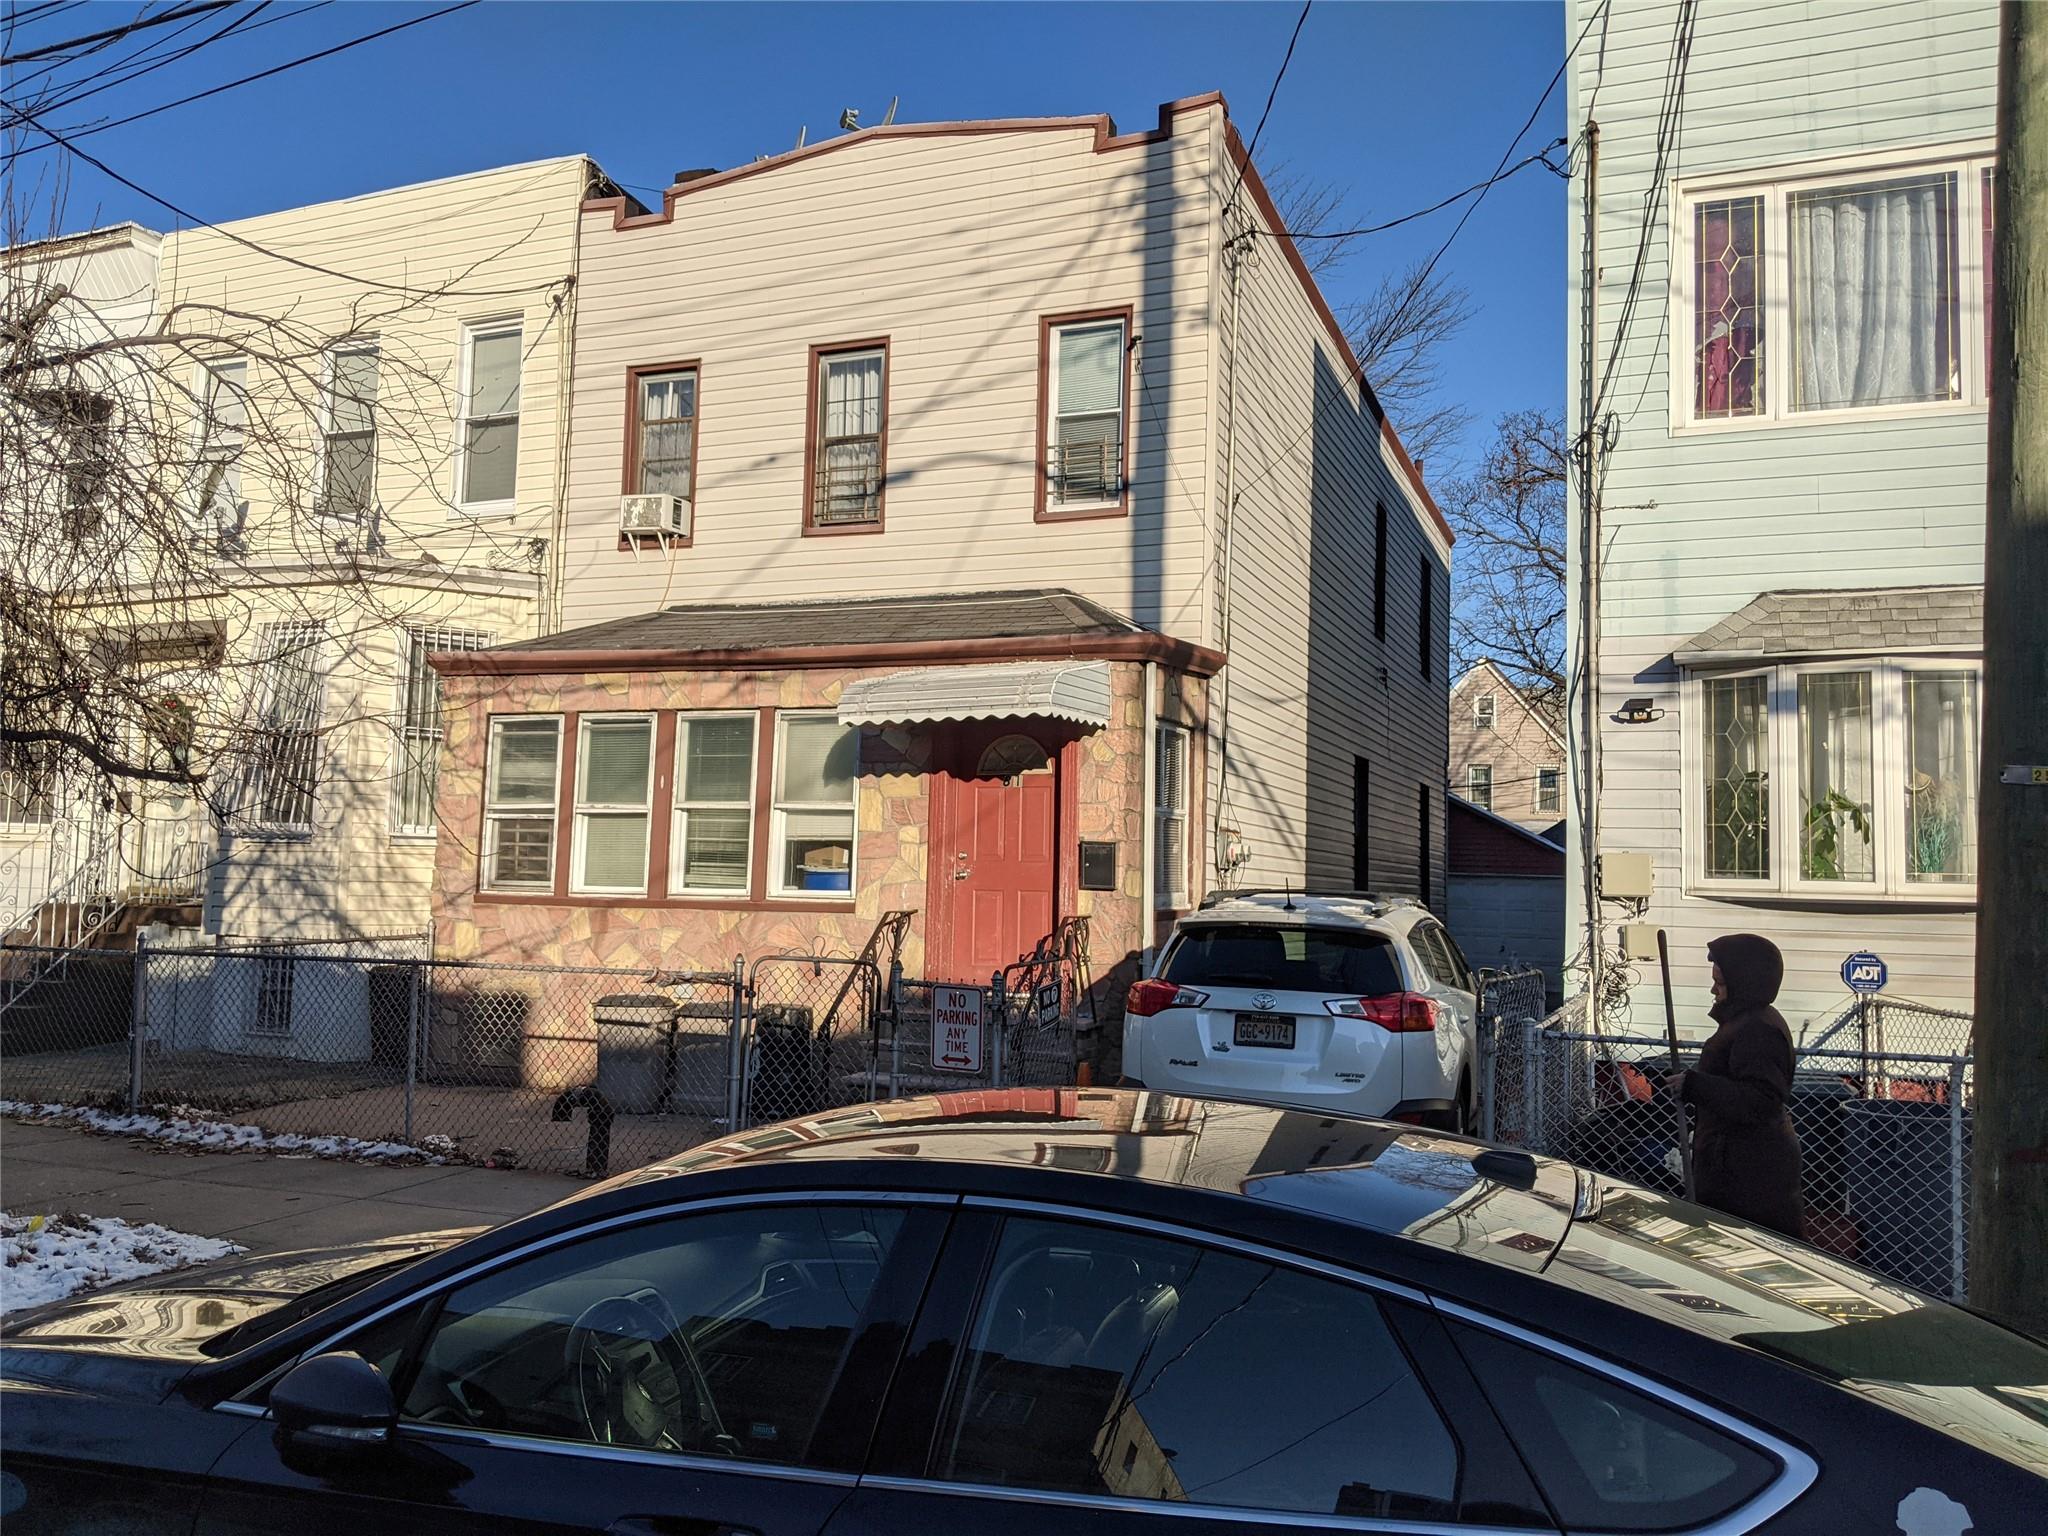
{"type": "Point", "coordinates": [1054, 690]}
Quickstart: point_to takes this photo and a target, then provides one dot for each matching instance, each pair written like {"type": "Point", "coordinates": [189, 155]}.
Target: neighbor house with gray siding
{"type": "Point", "coordinates": [1789, 283]}
{"type": "Point", "coordinates": [985, 519]}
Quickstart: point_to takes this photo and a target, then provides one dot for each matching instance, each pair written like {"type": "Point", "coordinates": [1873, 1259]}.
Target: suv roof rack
{"type": "Point", "coordinates": [1320, 893]}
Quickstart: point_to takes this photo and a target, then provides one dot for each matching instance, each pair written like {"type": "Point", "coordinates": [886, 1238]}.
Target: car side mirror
{"type": "Point", "coordinates": [332, 1411]}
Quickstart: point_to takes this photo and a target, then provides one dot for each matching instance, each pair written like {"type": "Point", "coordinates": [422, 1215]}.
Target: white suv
{"type": "Point", "coordinates": [1358, 1004]}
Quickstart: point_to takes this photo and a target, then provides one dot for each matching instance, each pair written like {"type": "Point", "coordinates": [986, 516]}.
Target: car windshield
{"type": "Point", "coordinates": [1345, 961]}
{"type": "Point", "coordinates": [1950, 1369]}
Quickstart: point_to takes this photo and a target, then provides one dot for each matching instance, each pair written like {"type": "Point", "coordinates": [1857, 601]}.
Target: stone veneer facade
{"type": "Point", "coordinates": [1107, 802]}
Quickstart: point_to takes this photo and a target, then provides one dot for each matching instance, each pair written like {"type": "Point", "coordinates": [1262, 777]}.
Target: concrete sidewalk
{"type": "Point", "coordinates": [265, 1203]}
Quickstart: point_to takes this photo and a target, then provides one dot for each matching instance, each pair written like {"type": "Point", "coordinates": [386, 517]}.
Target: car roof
{"type": "Point", "coordinates": [1446, 1191]}
{"type": "Point", "coordinates": [1303, 909]}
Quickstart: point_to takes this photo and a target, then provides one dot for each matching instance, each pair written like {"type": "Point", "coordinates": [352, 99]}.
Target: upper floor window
{"type": "Point", "coordinates": [1479, 785]}
{"type": "Point", "coordinates": [849, 431]}
{"type": "Point", "coordinates": [1836, 780]}
{"type": "Point", "coordinates": [1483, 710]}
{"type": "Point", "coordinates": [418, 726]}
{"type": "Point", "coordinates": [1549, 789]}
{"type": "Point", "coordinates": [487, 471]}
{"type": "Point", "coordinates": [1849, 291]}
{"type": "Point", "coordinates": [1084, 405]}
{"type": "Point", "coordinates": [219, 435]}
{"type": "Point", "coordinates": [348, 468]}
{"type": "Point", "coordinates": [664, 434]}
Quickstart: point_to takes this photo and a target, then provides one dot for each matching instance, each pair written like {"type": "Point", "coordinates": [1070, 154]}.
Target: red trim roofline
{"type": "Point", "coordinates": [1138, 645]}
{"type": "Point", "coordinates": [627, 214]}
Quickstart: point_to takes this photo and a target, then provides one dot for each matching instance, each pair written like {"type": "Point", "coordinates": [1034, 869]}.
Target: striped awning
{"type": "Point", "coordinates": [1052, 690]}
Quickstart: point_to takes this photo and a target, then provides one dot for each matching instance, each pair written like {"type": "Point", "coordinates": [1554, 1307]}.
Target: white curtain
{"type": "Point", "coordinates": [853, 395]}
{"type": "Point", "coordinates": [1873, 291]}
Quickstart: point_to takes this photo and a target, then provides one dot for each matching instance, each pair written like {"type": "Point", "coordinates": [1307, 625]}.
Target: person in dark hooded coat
{"type": "Point", "coordinates": [1745, 1151]}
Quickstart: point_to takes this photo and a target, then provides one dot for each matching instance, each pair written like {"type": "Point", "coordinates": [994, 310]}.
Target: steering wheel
{"type": "Point", "coordinates": [630, 1371]}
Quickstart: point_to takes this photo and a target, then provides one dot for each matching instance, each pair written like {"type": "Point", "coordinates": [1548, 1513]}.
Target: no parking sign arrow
{"type": "Point", "coordinates": [956, 1029]}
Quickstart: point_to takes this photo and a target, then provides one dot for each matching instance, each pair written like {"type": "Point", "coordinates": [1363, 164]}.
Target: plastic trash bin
{"type": "Point", "coordinates": [1897, 1168]}
{"type": "Point", "coordinates": [700, 1070]}
{"type": "Point", "coordinates": [789, 1070]}
{"type": "Point", "coordinates": [635, 1051]}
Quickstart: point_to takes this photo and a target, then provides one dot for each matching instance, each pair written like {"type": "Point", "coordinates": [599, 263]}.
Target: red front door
{"type": "Point", "coordinates": [995, 853]}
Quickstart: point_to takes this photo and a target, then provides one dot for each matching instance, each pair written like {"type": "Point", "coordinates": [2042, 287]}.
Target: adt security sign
{"type": "Point", "coordinates": [1863, 972]}
{"type": "Point", "coordinates": [956, 1029]}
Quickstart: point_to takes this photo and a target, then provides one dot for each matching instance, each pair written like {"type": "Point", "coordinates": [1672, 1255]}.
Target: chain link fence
{"type": "Point", "coordinates": [1881, 1099]}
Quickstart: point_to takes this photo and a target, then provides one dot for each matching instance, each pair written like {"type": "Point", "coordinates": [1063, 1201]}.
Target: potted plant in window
{"type": "Point", "coordinates": [1821, 839]}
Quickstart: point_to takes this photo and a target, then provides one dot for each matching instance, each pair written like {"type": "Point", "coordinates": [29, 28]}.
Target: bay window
{"type": "Point", "coordinates": [1834, 780]}
{"type": "Point", "coordinates": [613, 810]}
{"type": "Point", "coordinates": [711, 846]}
{"type": "Point", "coordinates": [817, 770]}
{"type": "Point", "coordinates": [1828, 291]}
{"type": "Point", "coordinates": [520, 786]}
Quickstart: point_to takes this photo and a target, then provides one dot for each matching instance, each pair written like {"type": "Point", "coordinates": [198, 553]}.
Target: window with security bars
{"type": "Point", "coordinates": [711, 847]}
{"type": "Point", "coordinates": [850, 411]}
{"type": "Point", "coordinates": [1085, 432]}
{"type": "Point", "coordinates": [665, 432]}
{"type": "Point", "coordinates": [219, 433]}
{"type": "Point", "coordinates": [1170, 818]}
{"type": "Point", "coordinates": [488, 470]}
{"type": "Point", "coordinates": [1549, 789]}
{"type": "Point", "coordinates": [275, 975]}
{"type": "Point", "coordinates": [419, 726]}
{"type": "Point", "coordinates": [28, 786]}
{"type": "Point", "coordinates": [521, 782]}
{"type": "Point", "coordinates": [614, 786]}
{"type": "Point", "coordinates": [348, 483]}
{"type": "Point", "coordinates": [284, 768]}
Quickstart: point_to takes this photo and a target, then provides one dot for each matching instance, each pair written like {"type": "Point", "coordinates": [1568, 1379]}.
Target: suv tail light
{"type": "Point", "coordinates": [1149, 997]}
{"type": "Point", "coordinates": [1402, 1013]}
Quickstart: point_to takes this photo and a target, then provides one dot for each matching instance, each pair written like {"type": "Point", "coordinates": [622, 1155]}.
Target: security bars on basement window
{"type": "Point", "coordinates": [418, 728]}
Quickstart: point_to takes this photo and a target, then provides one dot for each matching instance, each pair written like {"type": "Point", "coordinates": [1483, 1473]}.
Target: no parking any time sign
{"type": "Point", "coordinates": [956, 1029]}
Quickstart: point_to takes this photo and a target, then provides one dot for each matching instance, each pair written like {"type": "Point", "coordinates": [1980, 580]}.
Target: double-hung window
{"type": "Point", "coordinates": [418, 726]}
{"type": "Point", "coordinates": [348, 470]}
{"type": "Point", "coordinates": [1479, 785]}
{"type": "Point", "coordinates": [285, 747]}
{"type": "Point", "coordinates": [1170, 819]}
{"type": "Point", "coordinates": [1835, 779]}
{"type": "Point", "coordinates": [1820, 292]}
{"type": "Point", "coordinates": [1085, 412]}
{"type": "Point", "coordinates": [521, 781]}
{"type": "Point", "coordinates": [219, 434]}
{"type": "Point", "coordinates": [817, 776]}
{"type": "Point", "coordinates": [28, 786]}
{"type": "Point", "coordinates": [664, 433]}
{"type": "Point", "coordinates": [711, 846]}
{"type": "Point", "coordinates": [1549, 789]}
{"type": "Point", "coordinates": [1484, 711]}
{"type": "Point", "coordinates": [849, 424]}
{"type": "Point", "coordinates": [614, 786]}
{"type": "Point", "coordinates": [487, 450]}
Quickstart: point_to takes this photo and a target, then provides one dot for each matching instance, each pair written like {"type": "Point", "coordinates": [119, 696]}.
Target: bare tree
{"type": "Point", "coordinates": [1509, 516]}
{"type": "Point", "coordinates": [1397, 330]}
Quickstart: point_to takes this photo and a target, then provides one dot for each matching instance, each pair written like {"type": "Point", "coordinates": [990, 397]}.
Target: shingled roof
{"type": "Point", "coordinates": [1038, 613]}
{"type": "Point", "coordinates": [1844, 622]}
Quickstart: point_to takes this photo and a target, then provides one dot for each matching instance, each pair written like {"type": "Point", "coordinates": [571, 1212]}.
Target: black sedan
{"type": "Point", "coordinates": [1009, 1312]}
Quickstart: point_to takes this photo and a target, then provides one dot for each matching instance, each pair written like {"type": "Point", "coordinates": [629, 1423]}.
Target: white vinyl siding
{"type": "Point", "coordinates": [521, 784]}
{"type": "Point", "coordinates": [817, 775]}
{"type": "Point", "coordinates": [711, 844]}
{"type": "Point", "coordinates": [613, 813]}
{"type": "Point", "coordinates": [1170, 819]}
{"type": "Point", "coordinates": [348, 459]}
{"type": "Point", "coordinates": [1085, 414]}
{"type": "Point", "coordinates": [487, 453]}
{"type": "Point", "coordinates": [418, 728]}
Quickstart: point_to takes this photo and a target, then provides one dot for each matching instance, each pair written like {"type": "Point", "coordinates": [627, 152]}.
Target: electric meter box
{"type": "Point", "coordinates": [1625, 876]}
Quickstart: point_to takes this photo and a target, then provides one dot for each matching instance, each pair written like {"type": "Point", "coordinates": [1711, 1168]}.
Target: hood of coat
{"type": "Point", "coordinates": [1751, 969]}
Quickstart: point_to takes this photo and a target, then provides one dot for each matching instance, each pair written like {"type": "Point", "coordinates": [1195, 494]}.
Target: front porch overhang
{"type": "Point", "coordinates": [1057, 690]}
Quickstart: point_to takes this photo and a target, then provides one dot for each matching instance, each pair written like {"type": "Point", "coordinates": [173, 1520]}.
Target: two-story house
{"type": "Point", "coordinates": [1507, 754]}
{"type": "Point", "coordinates": [1784, 264]}
{"type": "Point", "coordinates": [981, 519]}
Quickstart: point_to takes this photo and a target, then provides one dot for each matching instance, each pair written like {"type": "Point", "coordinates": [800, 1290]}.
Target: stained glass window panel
{"type": "Point", "coordinates": [1736, 759]}
{"type": "Point", "coordinates": [1728, 318]}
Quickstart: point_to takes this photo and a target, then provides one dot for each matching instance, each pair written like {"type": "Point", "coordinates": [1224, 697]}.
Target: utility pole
{"type": "Point", "coordinates": [2009, 1173]}
{"type": "Point", "coordinates": [1588, 669]}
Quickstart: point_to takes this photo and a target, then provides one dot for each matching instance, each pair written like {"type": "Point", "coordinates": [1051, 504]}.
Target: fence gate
{"type": "Point", "coordinates": [810, 1040]}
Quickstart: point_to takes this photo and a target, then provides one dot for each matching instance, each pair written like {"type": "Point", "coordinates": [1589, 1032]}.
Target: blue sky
{"type": "Point", "coordinates": [1401, 103]}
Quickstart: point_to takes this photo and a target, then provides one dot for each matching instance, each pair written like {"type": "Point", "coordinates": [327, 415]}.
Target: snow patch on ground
{"type": "Point", "coordinates": [188, 1128]}
{"type": "Point", "coordinates": [46, 1258]}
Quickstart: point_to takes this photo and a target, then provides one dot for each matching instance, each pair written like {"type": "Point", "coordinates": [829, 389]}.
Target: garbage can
{"type": "Point", "coordinates": [699, 1073]}
{"type": "Point", "coordinates": [789, 1072]}
{"type": "Point", "coordinates": [1897, 1172]}
{"type": "Point", "coordinates": [635, 1051]}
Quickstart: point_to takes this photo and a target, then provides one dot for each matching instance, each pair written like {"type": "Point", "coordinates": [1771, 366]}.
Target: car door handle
{"type": "Point", "coordinates": [674, 1525]}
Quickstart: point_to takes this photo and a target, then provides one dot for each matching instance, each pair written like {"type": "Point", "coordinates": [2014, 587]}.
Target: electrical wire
{"type": "Point", "coordinates": [115, 34]}
{"type": "Point", "coordinates": [1279, 75]}
{"type": "Point", "coordinates": [1541, 157]}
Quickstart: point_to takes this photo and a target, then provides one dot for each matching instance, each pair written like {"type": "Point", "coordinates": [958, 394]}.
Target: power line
{"type": "Point", "coordinates": [93, 84]}
{"type": "Point", "coordinates": [1541, 157]}
{"type": "Point", "coordinates": [1285, 59]}
{"type": "Point", "coordinates": [113, 34]}
{"type": "Point", "coordinates": [278, 69]}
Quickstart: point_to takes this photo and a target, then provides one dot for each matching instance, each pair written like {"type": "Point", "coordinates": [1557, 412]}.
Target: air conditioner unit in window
{"type": "Point", "coordinates": [654, 514]}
